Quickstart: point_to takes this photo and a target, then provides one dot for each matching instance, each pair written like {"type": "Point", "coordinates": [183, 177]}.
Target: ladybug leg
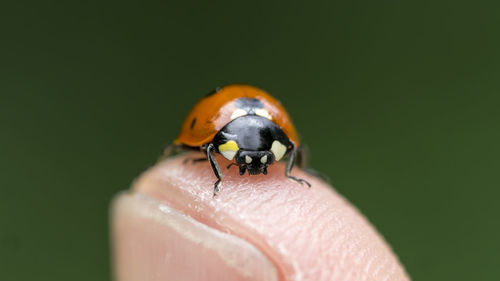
{"type": "Point", "coordinates": [242, 169]}
{"type": "Point", "coordinates": [301, 162]}
{"type": "Point", "coordinates": [215, 167]}
{"type": "Point", "coordinates": [173, 149]}
{"type": "Point", "coordinates": [318, 174]}
{"type": "Point", "coordinates": [302, 153]}
{"type": "Point", "coordinates": [289, 166]}
{"type": "Point", "coordinates": [168, 151]}
{"type": "Point", "coordinates": [195, 160]}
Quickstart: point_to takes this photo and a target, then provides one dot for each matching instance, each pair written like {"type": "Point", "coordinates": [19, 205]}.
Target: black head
{"type": "Point", "coordinates": [255, 162]}
{"type": "Point", "coordinates": [254, 142]}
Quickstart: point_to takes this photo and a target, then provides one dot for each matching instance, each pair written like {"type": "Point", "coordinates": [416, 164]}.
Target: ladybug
{"type": "Point", "coordinates": [245, 125]}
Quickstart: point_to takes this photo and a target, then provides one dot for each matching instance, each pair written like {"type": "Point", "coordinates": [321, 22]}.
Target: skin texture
{"type": "Point", "coordinates": [170, 227]}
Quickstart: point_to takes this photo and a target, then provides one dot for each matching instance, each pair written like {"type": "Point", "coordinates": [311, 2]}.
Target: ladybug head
{"type": "Point", "coordinates": [255, 162]}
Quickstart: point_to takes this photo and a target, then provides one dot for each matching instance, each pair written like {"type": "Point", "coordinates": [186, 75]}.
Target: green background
{"type": "Point", "coordinates": [397, 101]}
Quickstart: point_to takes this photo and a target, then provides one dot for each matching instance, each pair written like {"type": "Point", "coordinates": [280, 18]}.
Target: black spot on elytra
{"type": "Point", "coordinates": [192, 123]}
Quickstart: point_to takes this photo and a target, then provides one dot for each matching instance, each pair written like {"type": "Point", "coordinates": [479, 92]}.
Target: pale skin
{"type": "Point", "coordinates": [260, 227]}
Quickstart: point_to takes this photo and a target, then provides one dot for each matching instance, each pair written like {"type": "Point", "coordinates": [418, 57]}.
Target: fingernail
{"type": "Point", "coordinates": [152, 241]}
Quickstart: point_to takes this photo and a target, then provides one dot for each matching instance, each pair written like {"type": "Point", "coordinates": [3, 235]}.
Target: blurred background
{"type": "Point", "coordinates": [397, 100]}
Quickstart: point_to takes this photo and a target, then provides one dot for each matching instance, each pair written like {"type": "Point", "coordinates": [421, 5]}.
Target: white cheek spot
{"type": "Point", "coordinates": [229, 149]}
{"type": "Point", "coordinates": [263, 159]}
{"type": "Point", "coordinates": [278, 149]}
{"type": "Point", "coordinates": [262, 112]}
{"type": "Point", "coordinates": [238, 113]}
{"type": "Point", "coordinates": [248, 159]}
{"type": "Point", "coordinates": [228, 154]}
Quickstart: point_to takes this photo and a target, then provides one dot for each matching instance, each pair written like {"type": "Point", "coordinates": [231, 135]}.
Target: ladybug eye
{"type": "Point", "coordinates": [278, 149]}
{"type": "Point", "coordinates": [248, 159]}
{"type": "Point", "coordinates": [229, 149]}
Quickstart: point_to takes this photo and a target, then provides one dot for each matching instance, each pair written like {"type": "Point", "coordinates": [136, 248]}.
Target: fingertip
{"type": "Point", "coordinates": [305, 233]}
{"type": "Point", "coordinates": [155, 242]}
